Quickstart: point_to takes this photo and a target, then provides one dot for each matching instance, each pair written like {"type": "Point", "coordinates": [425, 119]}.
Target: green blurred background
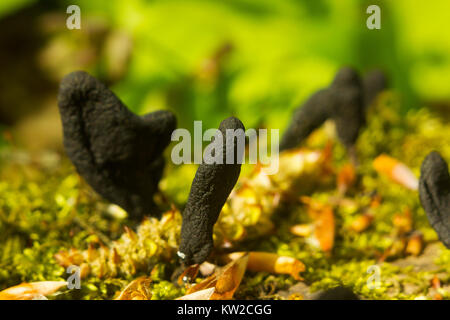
{"type": "Point", "coordinates": [206, 60]}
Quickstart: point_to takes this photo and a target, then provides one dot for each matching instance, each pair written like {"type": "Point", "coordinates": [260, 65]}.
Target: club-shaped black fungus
{"type": "Point", "coordinates": [434, 191]}
{"type": "Point", "coordinates": [117, 152]}
{"type": "Point", "coordinates": [311, 115]}
{"type": "Point", "coordinates": [342, 101]}
{"type": "Point", "coordinates": [348, 112]}
{"type": "Point", "coordinates": [374, 82]}
{"type": "Point", "coordinates": [210, 189]}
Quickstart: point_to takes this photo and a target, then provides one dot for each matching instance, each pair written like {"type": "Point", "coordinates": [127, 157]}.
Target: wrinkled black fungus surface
{"type": "Point", "coordinates": [210, 189]}
{"type": "Point", "coordinates": [342, 101]}
{"type": "Point", "coordinates": [434, 191]}
{"type": "Point", "coordinates": [374, 82]}
{"type": "Point", "coordinates": [117, 152]}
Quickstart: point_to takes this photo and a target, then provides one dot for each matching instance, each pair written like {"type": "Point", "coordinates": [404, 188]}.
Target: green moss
{"type": "Point", "coordinates": [166, 290]}
{"type": "Point", "coordinates": [47, 209]}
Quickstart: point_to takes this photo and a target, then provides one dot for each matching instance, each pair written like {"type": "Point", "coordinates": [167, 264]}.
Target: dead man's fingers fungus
{"type": "Point", "coordinates": [117, 152]}
{"type": "Point", "coordinates": [374, 83]}
{"type": "Point", "coordinates": [434, 191]}
{"type": "Point", "coordinates": [213, 182]}
{"type": "Point", "coordinates": [342, 102]}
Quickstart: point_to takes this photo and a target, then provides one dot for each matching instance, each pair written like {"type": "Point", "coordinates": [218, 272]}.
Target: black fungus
{"type": "Point", "coordinates": [117, 152]}
{"type": "Point", "coordinates": [374, 82]}
{"type": "Point", "coordinates": [210, 189]}
{"type": "Point", "coordinates": [337, 293]}
{"type": "Point", "coordinates": [348, 112]}
{"type": "Point", "coordinates": [311, 115]}
{"type": "Point", "coordinates": [342, 101]}
{"type": "Point", "coordinates": [434, 191]}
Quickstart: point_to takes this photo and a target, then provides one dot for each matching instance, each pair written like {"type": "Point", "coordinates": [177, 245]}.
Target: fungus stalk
{"type": "Point", "coordinates": [212, 184]}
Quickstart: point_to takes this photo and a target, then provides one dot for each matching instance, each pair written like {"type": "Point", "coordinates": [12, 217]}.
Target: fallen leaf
{"type": "Point", "coordinates": [396, 171]}
{"type": "Point", "coordinates": [138, 289]}
{"type": "Point", "coordinates": [415, 244]}
{"type": "Point", "coordinates": [272, 263]}
{"type": "Point", "coordinates": [189, 274]}
{"type": "Point", "coordinates": [302, 230]}
{"type": "Point", "coordinates": [31, 290]}
{"type": "Point", "coordinates": [68, 258]}
{"type": "Point", "coordinates": [436, 290]}
{"type": "Point", "coordinates": [323, 217]}
{"type": "Point", "coordinates": [225, 280]}
{"type": "Point", "coordinates": [199, 295]}
{"type": "Point", "coordinates": [435, 282]}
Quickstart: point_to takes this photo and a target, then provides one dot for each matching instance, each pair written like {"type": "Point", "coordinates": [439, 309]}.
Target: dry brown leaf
{"type": "Point", "coordinates": [435, 282]}
{"type": "Point", "coordinates": [396, 171]}
{"type": "Point", "coordinates": [138, 289]}
{"type": "Point", "coordinates": [435, 290]}
{"type": "Point", "coordinates": [31, 290]}
{"type": "Point", "coordinates": [415, 244]}
{"type": "Point", "coordinates": [302, 230]}
{"type": "Point", "coordinates": [346, 178]}
{"type": "Point", "coordinates": [272, 263]}
{"type": "Point", "coordinates": [323, 217]}
{"type": "Point", "coordinates": [199, 295]}
{"type": "Point", "coordinates": [225, 280]}
{"type": "Point", "coordinates": [189, 274]}
{"type": "Point", "coordinates": [68, 258]}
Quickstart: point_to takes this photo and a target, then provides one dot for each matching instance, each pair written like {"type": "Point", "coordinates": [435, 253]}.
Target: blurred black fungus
{"type": "Point", "coordinates": [434, 191]}
{"type": "Point", "coordinates": [210, 189]}
{"type": "Point", "coordinates": [342, 101]}
{"type": "Point", "coordinates": [338, 293]}
{"type": "Point", "coordinates": [311, 115]}
{"type": "Point", "coordinates": [374, 82]}
{"type": "Point", "coordinates": [348, 111]}
{"type": "Point", "coordinates": [117, 152]}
